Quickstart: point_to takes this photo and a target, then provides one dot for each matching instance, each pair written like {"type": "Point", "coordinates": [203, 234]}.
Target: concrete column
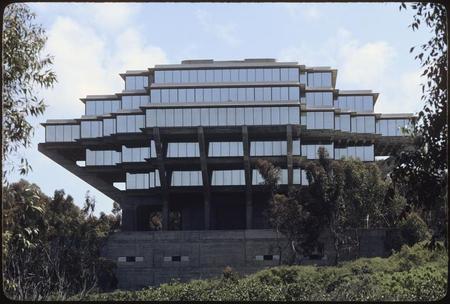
{"type": "Point", "coordinates": [163, 180]}
{"type": "Point", "coordinates": [129, 218]}
{"type": "Point", "coordinates": [289, 155]}
{"type": "Point", "coordinates": [205, 178]}
{"type": "Point", "coordinates": [248, 179]}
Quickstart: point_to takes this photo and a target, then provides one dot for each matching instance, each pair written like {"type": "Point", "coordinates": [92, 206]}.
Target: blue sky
{"type": "Point", "coordinates": [92, 43]}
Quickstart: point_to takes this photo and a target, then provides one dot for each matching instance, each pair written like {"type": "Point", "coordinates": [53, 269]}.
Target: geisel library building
{"type": "Point", "coordinates": [180, 143]}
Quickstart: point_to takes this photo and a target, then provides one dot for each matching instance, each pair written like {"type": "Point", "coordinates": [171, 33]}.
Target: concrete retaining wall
{"type": "Point", "coordinates": [153, 257]}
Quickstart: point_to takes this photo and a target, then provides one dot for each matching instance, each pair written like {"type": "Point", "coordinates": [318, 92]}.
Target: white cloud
{"type": "Point", "coordinates": [302, 10]}
{"type": "Point", "coordinates": [89, 53]}
{"type": "Point", "coordinates": [224, 32]}
{"type": "Point", "coordinates": [363, 66]}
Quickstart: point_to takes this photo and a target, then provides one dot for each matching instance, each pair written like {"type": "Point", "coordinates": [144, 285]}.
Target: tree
{"type": "Point", "coordinates": [25, 68]}
{"type": "Point", "coordinates": [51, 248]}
{"type": "Point", "coordinates": [423, 171]}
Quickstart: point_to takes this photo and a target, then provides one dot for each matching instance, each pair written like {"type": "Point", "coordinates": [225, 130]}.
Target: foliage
{"type": "Point", "coordinates": [24, 69]}
{"type": "Point", "coordinates": [51, 248]}
{"type": "Point", "coordinates": [304, 213]}
{"type": "Point", "coordinates": [414, 273]}
{"type": "Point", "coordinates": [413, 229]}
{"type": "Point", "coordinates": [422, 171]}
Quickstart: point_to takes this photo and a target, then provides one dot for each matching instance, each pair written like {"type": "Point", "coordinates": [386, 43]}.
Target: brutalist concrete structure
{"type": "Point", "coordinates": [177, 150]}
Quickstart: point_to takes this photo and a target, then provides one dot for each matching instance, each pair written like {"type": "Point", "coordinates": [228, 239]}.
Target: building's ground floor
{"type": "Point", "coordinates": [148, 258]}
{"type": "Point", "coordinates": [187, 211]}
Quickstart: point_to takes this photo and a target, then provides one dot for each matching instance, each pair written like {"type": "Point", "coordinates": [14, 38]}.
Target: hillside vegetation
{"type": "Point", "coordinates": [412, 274]}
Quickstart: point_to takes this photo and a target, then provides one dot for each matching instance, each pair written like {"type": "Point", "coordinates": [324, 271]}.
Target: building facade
{"type": "Point", "coordinates": [181, 140]}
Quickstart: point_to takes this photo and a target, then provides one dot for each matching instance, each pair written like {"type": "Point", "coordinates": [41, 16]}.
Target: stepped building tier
{"type": "Point", "coordinates": [181, 140]}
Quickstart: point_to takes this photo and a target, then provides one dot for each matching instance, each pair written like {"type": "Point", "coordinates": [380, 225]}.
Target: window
{"type": "Point", "coordinates": [227, 177]}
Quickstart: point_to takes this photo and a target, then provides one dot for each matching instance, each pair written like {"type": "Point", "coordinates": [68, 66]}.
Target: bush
{"type": "Point", "coordinates": [413, 229]}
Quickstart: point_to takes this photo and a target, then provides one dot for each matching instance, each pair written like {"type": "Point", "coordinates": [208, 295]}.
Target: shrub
{"type": "Point", "coordinates": [413, 229]}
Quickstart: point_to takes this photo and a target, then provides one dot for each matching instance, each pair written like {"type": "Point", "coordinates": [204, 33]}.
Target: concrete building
{"type": "Point", "coordinates": [180, 143]}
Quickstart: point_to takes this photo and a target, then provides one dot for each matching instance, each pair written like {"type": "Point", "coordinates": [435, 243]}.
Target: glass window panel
{"type": "Point", "coordinates": [275, 115]}
{"type": "Point", "coordinates": [204, 117]}
{"type": "Point", "coordinates": [360, 153]}
{"type": "Point", "coordinates": [351, 103]}
{"type": "Point", "coordinates": [258, 94]}
{"type": "Point", "coordinates": [368, 103]}
{"type": "Point", "coordinates": [328, 120]}
{"type": "Point", "coordinates": [168, 76]}
{"type": "Point", "coordinates": [195, 117]}
{"type": "Point", "coordinates": [276, 74]}
{"type": "Point", "coordinates": [234, 75]}
{"type": "Point", "coordinates": [90, 108]}
{"type": "Point", "coordinates": [207, 95]}
{"type": "Point", "coordinates": [190, 95]}
{"type": "Point", "coordinates": [227, 179]}
{"type": "Point", "coordinates": [358, 103]}
{"type": "Point", "coordinates": [131, 122]}
{"type": "Point", "coordinates": [317, 80]}
{"type": "Point", "coordinates": [250, 94]}
{"type": "Point", "coordinates": [169, 117]}
{"type": "Point", "coordinates": [222, 116]}
{"type": "Point", "coordinates": [294, 93]}
{"type": "Point", "coordinates": [76, 132]}
{"type": "Point", "coordinates": [257, 115]}
{"type": "Point", "coordinates": [224, 94]}
{"type": "Point", "coordinates": [259, 75]}
{"type": "Point", "coordinates": [310, 120]}
{"type": "Point", "coordinates": [115, 106]}
{"type": "Point", "coordinates": [213, 116]}
{"type": "Point", "coordinates": [276, 150]}
{"type": "Point", "coordinates": [241, 94]}
{"type": "Point", "coordinates": [310, 79]}
{"type": "Point", "coordinates": [345, 123]}
{"type": "Point", "coordinates": [155, 96]}
{"type": "Point", "coordinates": [327, 99]}
{"type": "Point", "coordinates": [67, 133]}
{"type": "Point", "coordinates": [267, 74]}
{"type": "Point", "coordinates": [159, 76]}
{"type": "Point", "coordinates": [284, 93]}
{"type": "Point", "coordinates": [199, 95]}
{"type": "Point", "coordinates": [176, 77]}
{"type": "Point", "coordinates": [201, 76]}
{"type": "Point", "coordinates": [266, 116]}
{"type": "Point", "coordinates": [173, 96]}
{"type": "Point", "coordinates": [326, 79]}
{"type": "Point", "coordinates": [267, 94]}
{"type": "Point", "coordinates": [284, 74]}
{"type": "Point", "coordinates": [184, 76]}
{"type": "Point", "coordinates": [369, 122]}
{"type": "Point", "coordinates": [140, 82]}
{"type": "Point", "coordinates": [218, 75]}
{"type": "Point", "coordinates": [160, 118]}
{"type": "Point", "coordinates": [50, 133]}
{"type": "Point", "coordinates": [165, 96]}
{"type": "Point", "coordinates": [249, 116]}
{"type": "Point", "coordinates": [193, 76]}
{"type": "Point", "coordinates": [251, 75]}
{"type": "Point", "coordinates": [276, 93]}
{"type": "Point", "coordinates": [216, 95]}
{"type": "Point", "coordinates": [360, 124]}
{"type": "Point", "coordinates": [239, 116]}
{"type": "Point", "coordinates": [130, 83]}
{"type": "Point", "coordinates": [225, 148]}
{"type": "Point", "coordinates": [243, 75]}
{"type": "Point", "coordinates": [231, 116]}
{"type": "Point", "coordinates": [233, 94]}
{"type": "Point", "coordinates": [178, 117]}
{"type": "Point", "coordinates": [319, 120]}
{"type": "Point", "coordinates": [107, 106]}
{"type": "Point", "coordinates": [59, 133]}
{"type": "Point", "coordinates": [187, 122]}
{"type": "Point", "coordinates": [226, 75]}
{"type": "Point", "coordinates": [287, 115]}
{"type": "Point", "coordinates": [293, 74]}
{"type": "Point", "coordinates": [337, 122]}
{"type": "Point", "coordinates": [391, 127]}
